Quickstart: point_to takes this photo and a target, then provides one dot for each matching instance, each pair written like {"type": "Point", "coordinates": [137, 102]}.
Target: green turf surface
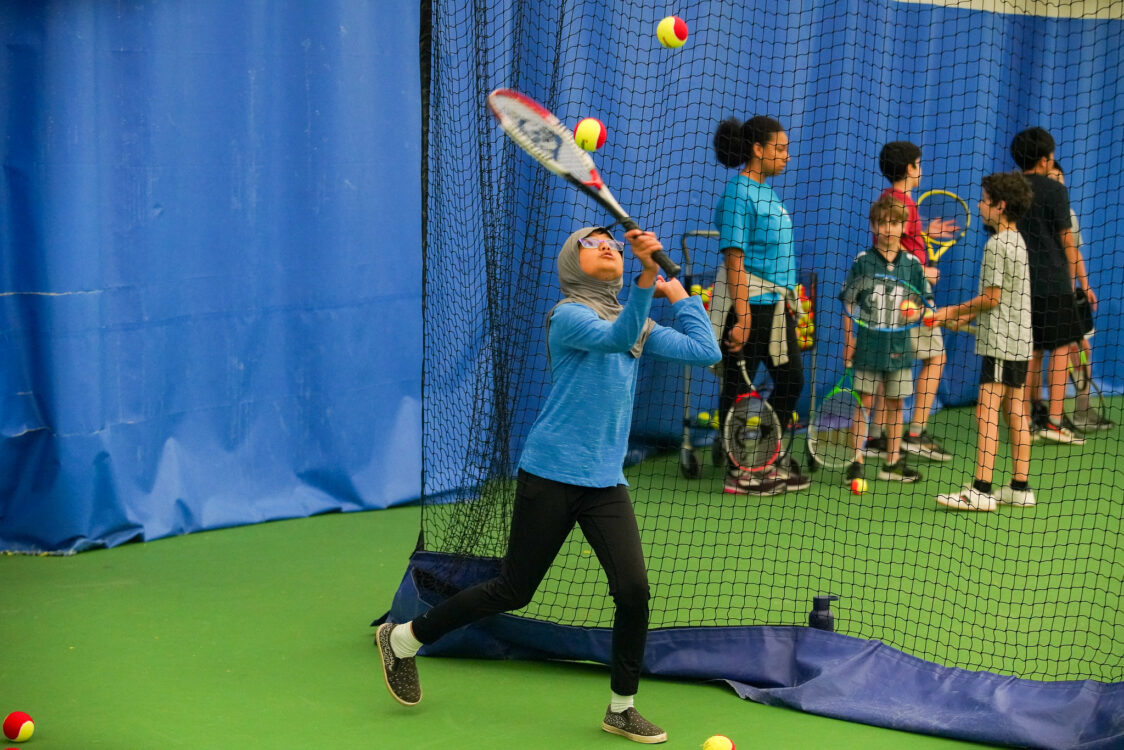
{"type": "Point", "coordinates": [1033, 592]}
{"type": "Point", "coordinates": [257, 637]}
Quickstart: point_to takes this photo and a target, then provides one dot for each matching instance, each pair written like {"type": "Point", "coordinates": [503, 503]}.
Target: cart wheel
{"type": "Point", "coordinates": [718, 452]}
{"type": "Point", "coordinates": [688, 463]}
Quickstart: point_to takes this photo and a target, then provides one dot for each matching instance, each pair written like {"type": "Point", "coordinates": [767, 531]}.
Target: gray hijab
{"type": "Point", "coordinates": [599, 296]}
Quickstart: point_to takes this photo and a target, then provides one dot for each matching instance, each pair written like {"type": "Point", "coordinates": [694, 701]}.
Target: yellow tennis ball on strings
{"type": "Point", "coordinates": [672, 32]}
{"type": "Point", "coordinates": [718, 742]}
{"type": "Point", "coordinates": [910, 310]}
{"type": "Point", "coordinates": [753, 422]}
{"type": "Point", "coordinates": [590, 133]}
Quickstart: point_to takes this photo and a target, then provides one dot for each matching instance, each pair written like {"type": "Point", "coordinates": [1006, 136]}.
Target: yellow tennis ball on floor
{"type": "Point", "coordinates": [590, 133]}
{"type": "Point", "coordinates": [18, 726]}
{"type": "Point", "coordinates": [672, 32]}
{"type": "Point", "coordinates": [858, 486]}
{"type": "Point", "coordinates": [718, 742]}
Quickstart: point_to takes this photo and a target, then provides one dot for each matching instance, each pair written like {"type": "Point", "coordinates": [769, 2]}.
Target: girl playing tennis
{"type": "Point", "coordinates": [571, 469]}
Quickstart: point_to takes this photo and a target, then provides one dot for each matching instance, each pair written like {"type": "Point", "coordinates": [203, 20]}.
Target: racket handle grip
{"type": "Point", "coordinates": [670, 267]}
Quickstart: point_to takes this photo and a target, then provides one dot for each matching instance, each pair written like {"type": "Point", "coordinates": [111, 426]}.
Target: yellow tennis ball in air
{"type": "Point", "coordinates": [703, 419]}
{"type": "Point", "coordinates": [858, 486]}
{"type": "Point", "coordinates": [672, 32]}
{"type": "Point", "coordinates": [590, 133]}
{"type": "Point", "coordinates": [718, 742]}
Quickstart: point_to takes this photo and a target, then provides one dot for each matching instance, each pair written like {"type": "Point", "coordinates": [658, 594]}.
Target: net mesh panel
{"type": "Point", "coordinates": [1029, 592]}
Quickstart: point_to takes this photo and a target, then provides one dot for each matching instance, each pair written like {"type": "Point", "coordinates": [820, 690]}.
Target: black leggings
{"type": "Point", "coordinates": [788, 379]}
{"type": "Point", "coordinates": [545, 512]}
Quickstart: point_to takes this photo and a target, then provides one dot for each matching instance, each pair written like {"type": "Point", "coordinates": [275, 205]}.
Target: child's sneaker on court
{"type": "Point", "coordinates": [854, 471]}
{"type": "Point", "coordinates": [629, 723]}
{"type": "Point", "coordinates": [788, 471]}
{"type": "Point", "coordinates": [1008, 495]}
{"type": "Point", "coordinates": [1091, 420]}
{"type": "Point", "coordinates": [921, 444]}
{"type": "Point", "coordinates": [898, 472]}
{"type": "Point", "coordinates": [400, 675]}
{"type": "Point", "coordinates": [746, 483]}
{"type": "Point", "coordinates": [968, 498]}
{"type": "Point", "coordinates": [1057, 433]}
{"type": "Point", "coordinates": [875, 446]}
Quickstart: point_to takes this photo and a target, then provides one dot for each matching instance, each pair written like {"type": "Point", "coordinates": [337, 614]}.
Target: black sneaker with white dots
{"type": "Point", "coordinates": [400, 675]}
{"type": "Point", "coordinates": [629, 723]}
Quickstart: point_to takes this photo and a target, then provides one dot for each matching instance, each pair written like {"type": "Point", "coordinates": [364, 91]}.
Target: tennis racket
{"type": "Point", "coordinates": [1084, 402]}
{"type": "Point", "coordinates": [751, 431]}
{"type": "Point", "coordinates": [945, 219]}
{"type": "Point", "coordinates": [831, 431]}
{"type": "Point", "coordinates": [886, 303]}
{"type": "Point", "coordinates": [538, 132]}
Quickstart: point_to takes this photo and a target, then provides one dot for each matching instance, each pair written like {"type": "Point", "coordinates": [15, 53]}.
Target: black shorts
{"type": "Point", "coordinates": [1084, 311]}
{"type": "Point", "coordinates": [1011, 373]}
{"type": "Point", "coordinates": [1054, 321]}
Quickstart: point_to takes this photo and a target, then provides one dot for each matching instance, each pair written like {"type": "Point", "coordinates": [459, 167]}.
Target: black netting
{"type": "Point", "coordinates": [1034, 592]}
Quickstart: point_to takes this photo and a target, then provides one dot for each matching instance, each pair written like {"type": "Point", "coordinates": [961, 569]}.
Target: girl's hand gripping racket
{"type": "Point", "coordinates": [538, 132]}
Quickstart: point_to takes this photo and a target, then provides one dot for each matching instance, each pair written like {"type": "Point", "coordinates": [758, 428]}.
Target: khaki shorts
{"type": "Point", "coordinates": [927, 341]}
{"type": "Point", "coordinates": [895, 383]}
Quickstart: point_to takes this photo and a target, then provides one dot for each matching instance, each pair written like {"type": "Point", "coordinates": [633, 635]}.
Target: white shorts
{"type": "Point", "coordinates": [895, 383]}
{"type": "Point", "coordinates": [927, 341]}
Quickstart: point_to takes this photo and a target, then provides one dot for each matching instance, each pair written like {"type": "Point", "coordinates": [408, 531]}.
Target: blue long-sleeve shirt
{"type": "Point", "coordinates": [581, 434]}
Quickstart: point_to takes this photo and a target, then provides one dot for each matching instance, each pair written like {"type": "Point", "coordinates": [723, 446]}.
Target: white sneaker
{"type": "Point", "coordinates": [1056, 433]}
{"type": "Point", "coordinates": [1005, 495]}
{"type": "Point", "coordinates": [968, 498]}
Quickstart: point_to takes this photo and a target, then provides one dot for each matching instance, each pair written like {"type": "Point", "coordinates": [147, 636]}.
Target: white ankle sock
{"type": "Point", "coordinates": [620, 703]}
{"type": "Point", "coordinates": [402, 641]}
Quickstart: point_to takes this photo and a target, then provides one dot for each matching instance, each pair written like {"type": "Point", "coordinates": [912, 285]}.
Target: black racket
{"type": "Point", "coordinates": [538, 132]}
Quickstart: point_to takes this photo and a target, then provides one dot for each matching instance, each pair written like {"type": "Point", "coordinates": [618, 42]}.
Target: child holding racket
{"type": "Point", "coordinates": [900, 162]}
{"type": "Point", "coordinates": [1056, 270]}
{"type": "Point", "coordinates": [1086, 418]}
{"type": "Point", "coordinates": [882, 360]}
{"type": "Point", "coordinates": [1004, 342]}
{"type": "Point", "coordinates": [571, 468]}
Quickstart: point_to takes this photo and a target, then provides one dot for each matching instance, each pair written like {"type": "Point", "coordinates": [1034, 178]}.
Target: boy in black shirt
{"type": "Point", "coordinates": [1055, 270]}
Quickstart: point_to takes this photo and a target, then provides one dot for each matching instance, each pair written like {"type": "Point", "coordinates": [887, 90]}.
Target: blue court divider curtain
{"type": "Point", "coordinates": [210, 288]}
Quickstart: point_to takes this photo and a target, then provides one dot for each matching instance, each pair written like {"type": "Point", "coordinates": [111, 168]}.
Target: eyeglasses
{"type": "Point", "coordinates": [594, 242]}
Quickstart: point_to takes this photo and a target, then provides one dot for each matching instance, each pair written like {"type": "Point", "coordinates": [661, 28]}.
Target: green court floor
{"type": "Point", "coordinates": [258, 637]}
